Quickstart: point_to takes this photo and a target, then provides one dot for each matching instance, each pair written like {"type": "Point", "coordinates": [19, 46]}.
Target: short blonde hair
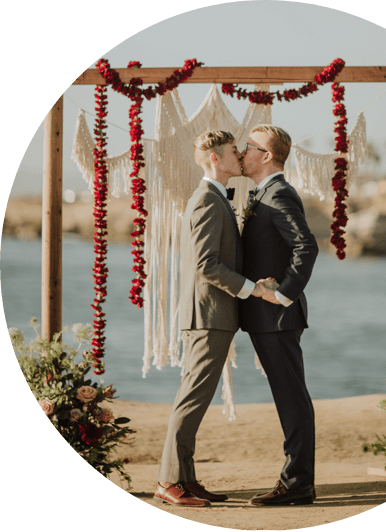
{"type": "Point", "coordinates": [279, 141]}
{"type": "Point", "coordinates": [214, 141]}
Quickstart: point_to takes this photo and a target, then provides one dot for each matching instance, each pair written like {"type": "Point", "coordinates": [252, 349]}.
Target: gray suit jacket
{"type": "Point", "coordinates": [211, 262]}
{"type": "Point", "coordinates": [277, 242]}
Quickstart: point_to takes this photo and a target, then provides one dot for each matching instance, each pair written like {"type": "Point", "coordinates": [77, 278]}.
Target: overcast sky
{"type": "Point", "coordinates": [258, 33]}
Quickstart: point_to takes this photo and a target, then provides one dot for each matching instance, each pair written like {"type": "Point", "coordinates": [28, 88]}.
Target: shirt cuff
{"type": "Point", "coordinates": [247, 289]}
{"type": "Point", "coordinates": [283, 299]}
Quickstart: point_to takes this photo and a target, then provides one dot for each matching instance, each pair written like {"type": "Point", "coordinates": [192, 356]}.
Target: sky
{"type": "Point", "coordinates": [273, 34]}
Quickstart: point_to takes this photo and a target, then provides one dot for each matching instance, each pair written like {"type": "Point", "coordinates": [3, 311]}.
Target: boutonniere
{"type": "Point", "coordinates": [247, 210]}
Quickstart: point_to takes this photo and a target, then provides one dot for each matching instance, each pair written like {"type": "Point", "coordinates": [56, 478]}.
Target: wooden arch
{"type": "Point", "coordinates": [53, 146]}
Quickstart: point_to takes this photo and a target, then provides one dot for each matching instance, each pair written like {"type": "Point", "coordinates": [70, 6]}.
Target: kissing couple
{"type": "Point", "coordinates": [255, 282]}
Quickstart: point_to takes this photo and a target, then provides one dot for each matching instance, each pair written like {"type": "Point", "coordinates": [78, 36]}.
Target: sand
{"type": "Point", "coordinates": [245, 456]}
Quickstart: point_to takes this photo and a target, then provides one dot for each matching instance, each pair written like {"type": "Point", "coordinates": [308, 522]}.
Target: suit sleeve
{"type": "Point", "coordinates": [206, 224]}
{"type": "Point", "coordinates": [289, 219]}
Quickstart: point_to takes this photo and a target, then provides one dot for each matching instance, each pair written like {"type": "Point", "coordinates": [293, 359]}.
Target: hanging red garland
{"type": "Point", "coordinates": [137, 95]}
{"type": "Point", "coordinates": [341, 167]}
{"type": "Point", "coordinates": [100, 222]}
{"type": "Point", "coordinates": [328, 75]}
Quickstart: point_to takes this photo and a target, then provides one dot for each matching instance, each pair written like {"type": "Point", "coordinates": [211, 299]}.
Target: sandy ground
{"type": "Point", "coordinates": [245, 456]}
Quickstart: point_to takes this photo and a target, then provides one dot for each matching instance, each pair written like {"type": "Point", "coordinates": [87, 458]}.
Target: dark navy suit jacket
{"type": "Point", "coordinates": [277, 242]}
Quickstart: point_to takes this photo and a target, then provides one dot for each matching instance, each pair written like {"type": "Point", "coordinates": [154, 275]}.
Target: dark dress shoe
{"type": "Point", "coordinates": [280, 495]}
{"type": "Point", "coordinates": [266, 492]}
{"type": "Point", "coordinates": [199, 491]}
{"type": "Point", "coordinates": [179, 496]}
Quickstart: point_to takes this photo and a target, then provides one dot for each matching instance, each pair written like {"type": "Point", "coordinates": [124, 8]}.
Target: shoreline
{"type": "Point", "coordinates": [365, 229]}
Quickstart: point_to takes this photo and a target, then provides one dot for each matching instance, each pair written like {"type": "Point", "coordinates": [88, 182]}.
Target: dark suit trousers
{"type": "Point", "coordinates": [282, 359]}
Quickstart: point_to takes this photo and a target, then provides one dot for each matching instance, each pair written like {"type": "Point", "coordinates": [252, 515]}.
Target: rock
{"type": "Point", "coordinates": [368, 227]}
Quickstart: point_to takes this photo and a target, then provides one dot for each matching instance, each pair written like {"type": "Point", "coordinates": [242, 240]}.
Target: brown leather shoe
{"type": "Point", "coordinates": [199, 491]}
{"type": "Point", "coordinates": [280, 495]}
{"type": "Point", "coordinates": [179, 496]}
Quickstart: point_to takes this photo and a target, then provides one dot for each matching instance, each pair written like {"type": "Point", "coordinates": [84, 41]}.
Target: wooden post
{"type": "Point", "coordinates": [52, 222]}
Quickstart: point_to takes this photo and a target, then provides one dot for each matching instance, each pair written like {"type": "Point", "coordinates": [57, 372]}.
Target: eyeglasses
{"type": "Point", "coordinates": [254, 147]}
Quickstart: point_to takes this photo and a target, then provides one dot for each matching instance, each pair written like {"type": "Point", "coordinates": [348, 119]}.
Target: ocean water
{"type": "Point", "coordinates": [344, 347]}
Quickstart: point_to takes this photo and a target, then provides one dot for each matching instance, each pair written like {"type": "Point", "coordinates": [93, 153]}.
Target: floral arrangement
{"type": "Point", "coordinates": [380, 445]}
{"type": "Point", "coordinates": [70, 401]}
{"type": "Point", "coordinates": [327, 75]}
{"type": "Point", "coordinates": [247, 210]}
{"type": "Point", "coordinates": [137, 94]}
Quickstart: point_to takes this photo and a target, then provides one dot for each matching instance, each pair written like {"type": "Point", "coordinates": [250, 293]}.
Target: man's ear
{"type": "Point", "coordinates": [213, 158]}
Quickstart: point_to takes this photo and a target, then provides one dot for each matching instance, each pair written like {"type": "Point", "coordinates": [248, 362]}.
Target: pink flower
{"type": "Point", "coordinates": [86, 394]}
{"type": "Point", "coordinates": [106, 415]}
{"type": "Point", "coordinates": [75, 414]}
{"type": "Point", "coordinates": [47, 406]}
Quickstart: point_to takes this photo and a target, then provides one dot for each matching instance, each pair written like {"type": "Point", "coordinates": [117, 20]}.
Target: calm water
{"type": "Point", "coordinates": [344, 348]}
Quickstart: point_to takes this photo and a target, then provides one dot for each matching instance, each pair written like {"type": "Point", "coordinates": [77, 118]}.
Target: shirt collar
{"type": "Point", "coordinates": [267, 179]}
{"type": "Point", "coordinates": [221, 187]}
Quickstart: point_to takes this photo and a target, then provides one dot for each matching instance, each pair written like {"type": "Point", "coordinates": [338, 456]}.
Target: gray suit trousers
{"type": "Point", "coordinates": [206, 353]}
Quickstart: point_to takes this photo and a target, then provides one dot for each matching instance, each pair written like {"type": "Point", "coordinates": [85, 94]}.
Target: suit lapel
{"type": "Point", "coordinates": [261, 192]}
{"type": "Point", "coordinates": [258, 197]}
{"type": "Point", "coordinates": [213, 188]}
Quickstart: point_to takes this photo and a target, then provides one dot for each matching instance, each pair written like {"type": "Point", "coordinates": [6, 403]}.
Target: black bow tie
{"type": "Point", "coordinates": [230, 193]}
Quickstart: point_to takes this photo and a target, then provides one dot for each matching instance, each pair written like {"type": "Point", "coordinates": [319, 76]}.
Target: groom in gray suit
{"type": "Point", "coordinates": [277, 241]}
{"type": "Point", "coordinates": [211, 283]}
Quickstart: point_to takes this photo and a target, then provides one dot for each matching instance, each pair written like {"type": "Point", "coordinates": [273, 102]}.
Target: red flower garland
{"type": "Point", "coordinates": [327, 75]}
{"type": "Point", "coordinates": [341, 167]}
{"type": "Point", "coordinates": [339, 181]}
{"type": "Point", "coordinates": [136, 95]}
{"type": "Point", "coordinates": [100, 222]}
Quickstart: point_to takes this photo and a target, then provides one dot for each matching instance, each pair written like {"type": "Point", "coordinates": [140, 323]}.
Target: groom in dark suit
{"type": "Point", "coordinates": [277, 242]}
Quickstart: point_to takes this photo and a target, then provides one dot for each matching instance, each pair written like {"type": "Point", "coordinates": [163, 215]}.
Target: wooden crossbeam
{"type": "Point", "coordinates": [52, 182]}
{"type": "Point", "coordinates": [253, 75]}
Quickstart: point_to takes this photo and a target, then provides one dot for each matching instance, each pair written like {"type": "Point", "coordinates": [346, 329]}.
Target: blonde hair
{"type": "Point", "coordinates": [279, 141]}
{"type": "Point", "coordinates": [214, 141]}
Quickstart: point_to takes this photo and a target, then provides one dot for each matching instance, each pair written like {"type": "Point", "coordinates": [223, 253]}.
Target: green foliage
{"type": "Point", "coordinates": [380, 445]}
{"type": "Point", "coordinates": [70, 400]}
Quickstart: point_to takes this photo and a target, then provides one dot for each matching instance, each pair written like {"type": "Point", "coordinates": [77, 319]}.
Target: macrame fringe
{"type": "Point", "coordinates": [118, 167]}
{"type": "Point", "coordinates": [315, 171]}
{"type": "Point", "coordinates": [171, 176]}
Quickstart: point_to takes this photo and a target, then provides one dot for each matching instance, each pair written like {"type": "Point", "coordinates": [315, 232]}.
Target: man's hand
{"type": "Point", "coordinates": [268, 292]}
{"type": "Point", "coordinates": [269, 284]}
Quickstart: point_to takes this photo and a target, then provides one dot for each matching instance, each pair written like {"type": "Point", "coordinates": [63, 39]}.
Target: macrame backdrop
{"type": "Point", "coordinates": [314, 171]}
{"type": "Point", "coordinates": [171, 176]}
